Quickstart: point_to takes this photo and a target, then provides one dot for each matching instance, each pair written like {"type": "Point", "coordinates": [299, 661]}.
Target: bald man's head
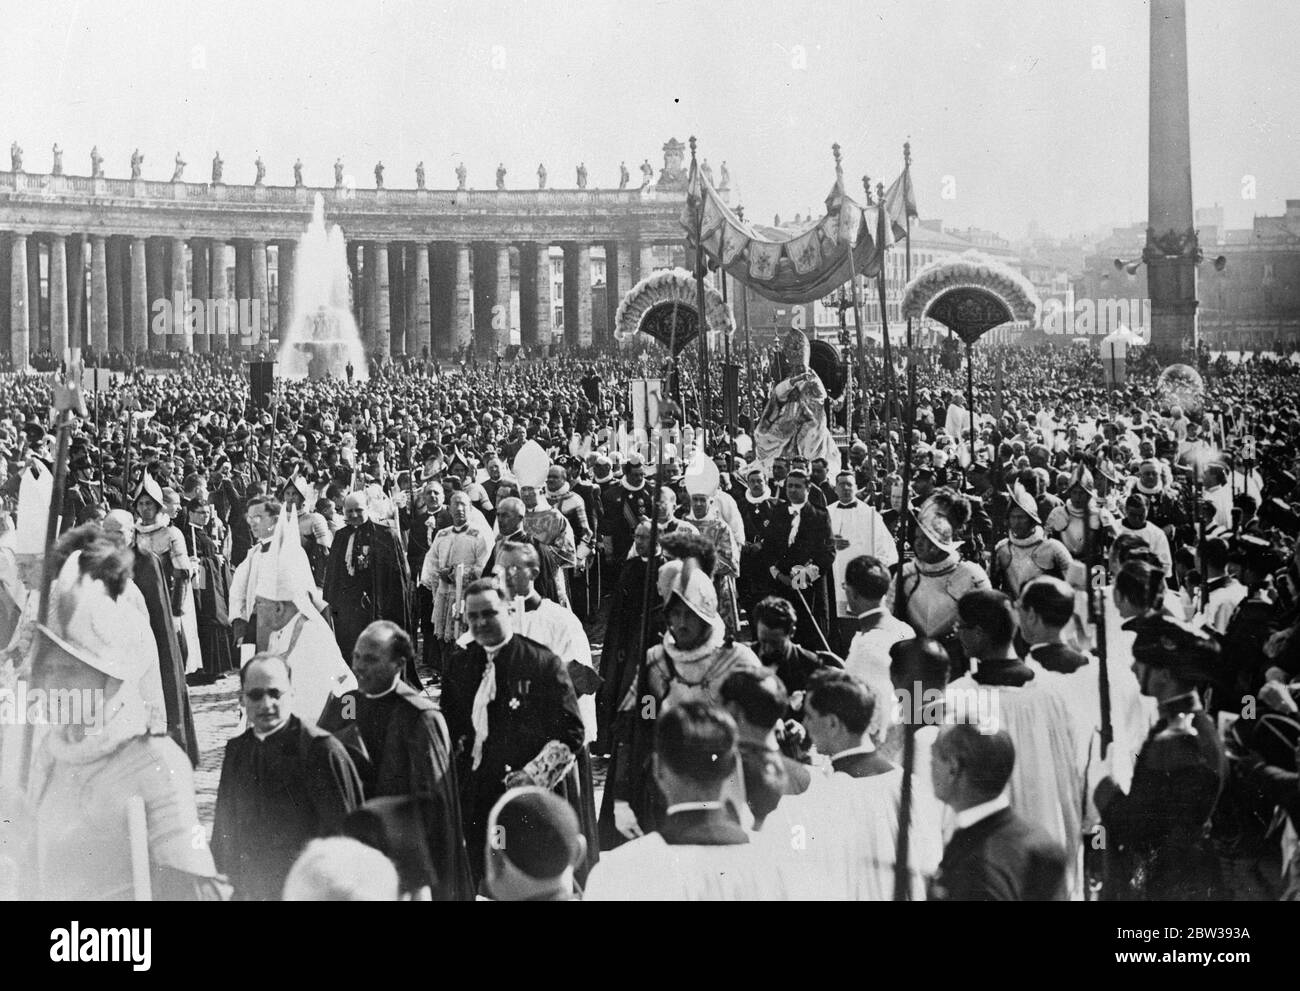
{"type": "Point", "coordinates": [381, 653]}
{"type": "Point", "coordinates": [354, 509]}
{"type": "Point", "coordinates": [119, 527]}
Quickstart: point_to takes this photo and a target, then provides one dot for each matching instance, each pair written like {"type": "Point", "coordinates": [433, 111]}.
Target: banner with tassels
{"type": "Point", "coordinates": [787, 265]}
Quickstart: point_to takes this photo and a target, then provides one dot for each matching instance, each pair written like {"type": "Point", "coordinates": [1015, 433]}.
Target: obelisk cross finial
{"type": "Point", "coordinates": [866, 184]}
{"type": "Point", "coordinates": [839, 167]}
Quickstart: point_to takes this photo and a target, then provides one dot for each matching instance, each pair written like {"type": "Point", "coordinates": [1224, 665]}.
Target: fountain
{"type": "Point", "coordinates": [323, 337]}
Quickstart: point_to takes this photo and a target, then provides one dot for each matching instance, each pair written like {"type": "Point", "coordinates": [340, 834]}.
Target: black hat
{"type": "Point", "coordinates": [1164, 642]}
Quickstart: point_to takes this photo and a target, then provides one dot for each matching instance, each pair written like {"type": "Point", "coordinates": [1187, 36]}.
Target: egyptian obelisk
{"type": "Point", "coordinates": [1171, 248]}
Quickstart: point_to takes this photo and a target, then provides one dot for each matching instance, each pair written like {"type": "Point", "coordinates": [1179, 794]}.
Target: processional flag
{"type": "Point", "coordinates": [900, 203]}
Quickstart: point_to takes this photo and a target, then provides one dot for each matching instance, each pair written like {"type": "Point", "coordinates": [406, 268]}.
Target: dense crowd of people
{"type": "Point", "coordinates": [1047, 648]}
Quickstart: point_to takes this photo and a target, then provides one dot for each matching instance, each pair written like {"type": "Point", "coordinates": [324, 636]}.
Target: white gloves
{"type": "Point", "coordinates": [803, 575]}
{"type": "Point", "coordinates": [625, 820]}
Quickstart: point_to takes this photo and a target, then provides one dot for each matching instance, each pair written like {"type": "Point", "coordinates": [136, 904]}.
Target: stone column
{"type": "Point", "coordinates": [99, 292]}
{"type": "Point", "coordinates": [58, 296]}
{"type": "Point", "coordinates": [116, 301]}
{"type": "Point", "coordinates": [422, 323]}
{"type": "Point", "coordinates": [219, 328]}
{"type": "Point", "coordinates": [645, 260]}
{"type": "Point", "coordinates": [577, 295]}
{"type": "Point", "coordinates": [625, 281]}
{"type": "Point", "coordinates": [382, 308]}
{"type": "Point", "coordinates": [366, 300]}
{"type": "Point", "coordinates": [462, 300]}
{"type": "Point", "coordinates": [39, 336]}
{"type": "Point", "coordinates": [19, 317]}
{"type": "Point", "coordinates": [397, 299]}
{"type": "Point", "coordinates": [139, 297]}
{"type": "Point", "coordinates": [287, 275]}
{"type": "Point", "coordinates": [157, 291]}
{"type": "Point", "coordinates": [6, 261]}
{"type": "Point", "coordinates": [243, 291]}
{"type": "Point", "coordinates": [182, 329]}
{"type": "Point", "coordinates": [77, 317]}
{"type": "Point", "coordinates": [534, 295]}
{"type": "Point", "coordinates": [501, 306]}
{"type": "Point", "coordinates": [442, 292]}
{"type": "Point", "coordinates": [260, 296]}
{"type": "Point", "coordinates": [199, 274]}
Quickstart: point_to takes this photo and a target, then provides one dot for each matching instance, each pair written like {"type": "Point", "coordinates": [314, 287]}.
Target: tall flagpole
{"type": "Point", "coordinates": [749, 349]}
{"type": "Point", "coordinates": [704, 384]}
{"type": "Point", "coordinates": [861, 389]}
{"type": "Point", "coordinates": [888, 351]}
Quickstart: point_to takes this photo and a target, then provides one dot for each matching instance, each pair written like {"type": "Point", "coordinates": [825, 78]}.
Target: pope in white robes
{"type": "Point", "coordinates": [299, 633]}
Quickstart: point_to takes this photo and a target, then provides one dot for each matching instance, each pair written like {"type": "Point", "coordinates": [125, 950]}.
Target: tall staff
{"type": "Point", "coordinates": [749, 348]}
{"type": "Point", "coordinates": [705, 395]}
{"type": "Point", "coordinates": [902, 886]}
{"type": "Point", "coordinates": [857, 306]}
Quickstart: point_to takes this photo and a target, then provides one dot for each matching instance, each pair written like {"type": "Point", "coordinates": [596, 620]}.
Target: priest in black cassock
{"type": "Point", "coordinates": [511, 710]}
{"type": "Point", "coordinates": [364, 578]}
{"type": "Point", "coordinates": [119, 526]}
{"type": "Point", "coordinates": [283, 782]}
{"type": "Point", "coordinates": [623, 652]}
{"type": "Point", "coordinates": [401, 747]}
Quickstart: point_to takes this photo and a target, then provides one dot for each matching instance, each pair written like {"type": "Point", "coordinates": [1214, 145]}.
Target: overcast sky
{"type": "Point", "coordinates": [1001, 96]}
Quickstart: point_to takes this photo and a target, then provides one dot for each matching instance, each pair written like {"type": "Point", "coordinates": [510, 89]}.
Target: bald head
{"type": "Point", "coordinates": [510, 513]}
{"type": "Point", "coordinates": [119, 527]}
{"type": "Point", "coordinates": [354, 509]}
{"type": "Point", "coordinates": [380, 655]}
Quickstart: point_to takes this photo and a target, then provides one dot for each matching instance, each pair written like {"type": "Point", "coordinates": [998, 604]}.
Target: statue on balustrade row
{"type": "Point", "coordinates": [419, 175]}
{"type": "Point", "coordinates": [57, 168]}
{"type": "Point", "coordinates": [623, 175]}
{"type": "Point", "coordinates": [379, 175]}
{"type": "Point", "coordinates": [136, 160]}
{"type": "Point", "coordinates": [261, 171]}
{"type": "Point", "coordinates": [96, 163]}
{"type": "Point", "coordinates": [461, 174]}
{"type": "Point", "coordinates": [217, 166]}
{"type": "Point", "coordinates": [501, 175]}
{"type": "Point", "coordinates": [582, 176]}
{"type": "Point", "coordinates": [647, 173]}
{"type": "Point", "coordinates": [541, 176]}
{"type": "Point", "coordinates": [338, 173]}
{"type": "Point", "coordinates": [297, 172]}
{"type": "Point", "coordinates": [16, 156]}
{"type": "Point", "coordinates": [179, 171]}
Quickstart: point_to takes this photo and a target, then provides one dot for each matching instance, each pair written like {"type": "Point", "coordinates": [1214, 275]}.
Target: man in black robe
{"type": "Point", "coordinates": [364, 578]}
{"type": "Point", "coordinates": [401, 747]}
{"type": "Point", "coordinates": [797, 555]}
{"type": "Point", "coordinates": [510, 523]}
{"type": "Point", "coordinates": [283, 782]}
{"type": "Point", "coordinates": [623, 652]}
{"type": "Point", "coordinates": [511, 710]}
{"type": "Point", "coordinates": [147, 573]}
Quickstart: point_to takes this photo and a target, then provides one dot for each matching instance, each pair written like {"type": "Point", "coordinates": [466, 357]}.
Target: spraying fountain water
{"type": "Point", "coordinates": [323, 337]}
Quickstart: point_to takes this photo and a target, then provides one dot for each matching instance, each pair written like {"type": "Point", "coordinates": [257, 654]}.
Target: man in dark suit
{"type": "Point", "coordinates": [401, 747]}
{"type": "Point", "coordinates": [511, 710]}
{"type": "Point", "coordinates": [757, 700]}
{"type": "Point", "coordinates": [1046, 605]}
{"type": "Point", "coordinates": [994, 855]}
{"type": "Point", "coordinates": [283, 782]}
{"type": "Point", "coordinates": [797, 555]}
